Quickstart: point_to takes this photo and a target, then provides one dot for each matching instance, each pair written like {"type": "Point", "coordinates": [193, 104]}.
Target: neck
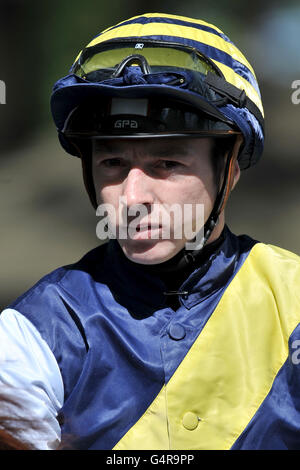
{"type": "Point", "coordinates": [175, 271]}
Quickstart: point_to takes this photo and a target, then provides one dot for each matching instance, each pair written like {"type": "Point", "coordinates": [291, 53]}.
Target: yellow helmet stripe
{"type": "Point", "coordinates": [238, 81]}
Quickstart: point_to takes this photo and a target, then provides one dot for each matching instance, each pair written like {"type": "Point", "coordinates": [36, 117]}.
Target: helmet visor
{"type": "Point", "coordinates": [105, 61]}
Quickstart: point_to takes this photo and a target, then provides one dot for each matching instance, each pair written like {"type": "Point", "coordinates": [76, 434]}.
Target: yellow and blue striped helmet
{"type": "Point", "coordinates": [160, 58]}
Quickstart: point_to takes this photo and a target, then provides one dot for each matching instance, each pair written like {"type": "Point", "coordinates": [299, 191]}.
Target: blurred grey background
{"type": "Point", "coordinates": [46, 217]}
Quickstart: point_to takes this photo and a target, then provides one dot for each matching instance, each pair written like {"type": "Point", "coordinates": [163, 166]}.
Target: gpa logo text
{"type": "Point", "coordinates": [296, 94]}
{"type": "Point", "coordinates": [2, 92]}
{"type": "Point", "coordinates": [125, 124]}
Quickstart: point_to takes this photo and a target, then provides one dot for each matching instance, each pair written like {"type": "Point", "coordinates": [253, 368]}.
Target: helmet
{"type": "Point", "coordinates": [158, 75]}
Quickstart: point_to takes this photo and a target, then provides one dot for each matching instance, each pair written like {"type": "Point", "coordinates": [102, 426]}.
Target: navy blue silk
{"type": "Point", "coordinates": [115, 340]}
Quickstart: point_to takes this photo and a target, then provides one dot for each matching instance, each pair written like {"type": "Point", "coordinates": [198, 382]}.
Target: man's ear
{"type": "Point", "coordinates": [237, 174]}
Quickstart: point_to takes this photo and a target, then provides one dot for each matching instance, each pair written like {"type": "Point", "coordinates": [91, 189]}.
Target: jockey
{"type": "Point", "coordinates": [174, 333]}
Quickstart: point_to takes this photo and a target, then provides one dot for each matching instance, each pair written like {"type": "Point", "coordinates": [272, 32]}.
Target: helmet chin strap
{"type": "Point", "coordinates": [221, 199]}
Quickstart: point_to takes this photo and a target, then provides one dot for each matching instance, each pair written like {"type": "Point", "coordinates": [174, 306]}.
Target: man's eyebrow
{"type": "Point", "coordinates": [169, 151]}
{"type": "Point", "coordinates": [151, 150]}
{"type": "Point", "coordinates": [158, 147]}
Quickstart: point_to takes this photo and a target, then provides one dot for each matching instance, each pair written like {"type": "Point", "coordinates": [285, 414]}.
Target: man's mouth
{"type": "Point", "coordinates": [144, 231]}
{"type": "Point", "coordinates": [147, 227]}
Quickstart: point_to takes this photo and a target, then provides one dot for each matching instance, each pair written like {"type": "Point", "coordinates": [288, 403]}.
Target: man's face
{"type": "Point", "coordinates": [158, 174]}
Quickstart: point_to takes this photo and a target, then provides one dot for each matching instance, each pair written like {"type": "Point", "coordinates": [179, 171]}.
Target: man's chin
{"type": "Point", "coordinates": [150, 251]}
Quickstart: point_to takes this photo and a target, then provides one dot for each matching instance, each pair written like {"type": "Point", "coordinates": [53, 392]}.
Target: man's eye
{"type": "Point", "coordinates": [111, 162]}
{"type": "Point", "coordinates": [169, 164]}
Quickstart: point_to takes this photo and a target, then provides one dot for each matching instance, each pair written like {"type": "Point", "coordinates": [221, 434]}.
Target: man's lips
{"type": "Point", "coordinates": [143, 227]}
{"type": "Point", "coordinates": [144, 231]}
{"type": "Point", "coordinates": [140, 227]}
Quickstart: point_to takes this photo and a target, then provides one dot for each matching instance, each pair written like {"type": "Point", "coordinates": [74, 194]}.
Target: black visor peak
{"type": "Point", "coordinates": [121, 117]}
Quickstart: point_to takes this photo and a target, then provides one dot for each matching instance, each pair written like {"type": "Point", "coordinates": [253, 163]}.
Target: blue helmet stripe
{"type": "Point", "coordinates": [157, 19]}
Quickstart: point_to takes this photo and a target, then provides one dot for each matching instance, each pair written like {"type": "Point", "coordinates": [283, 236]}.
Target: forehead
{"type": "Point", "coordinates": [151, 146]}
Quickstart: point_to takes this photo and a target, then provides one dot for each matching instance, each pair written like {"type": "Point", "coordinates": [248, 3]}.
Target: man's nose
{"type": "Point", "coordinates": [138, 188]}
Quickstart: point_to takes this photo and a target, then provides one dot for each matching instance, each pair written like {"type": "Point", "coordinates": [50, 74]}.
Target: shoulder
{"type": "Point", "coordinates": [273, 258]}
{"type": "Point", "coordinates": [265, 292]}
{"type": "Point", "coordinates": [55, 309]}
{"type": "Point", "coordinates": [65, 278]}
{"type": "Point", "coordinates": [58, 303]}
{"type": "Point", "coordinates": [270, 276]}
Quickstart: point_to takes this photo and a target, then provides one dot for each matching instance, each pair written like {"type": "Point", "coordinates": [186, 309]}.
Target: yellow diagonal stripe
{"type": "Point", "coordinates": [151, 432]}
{"type": "Point", "coordinates": [231, 367]}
